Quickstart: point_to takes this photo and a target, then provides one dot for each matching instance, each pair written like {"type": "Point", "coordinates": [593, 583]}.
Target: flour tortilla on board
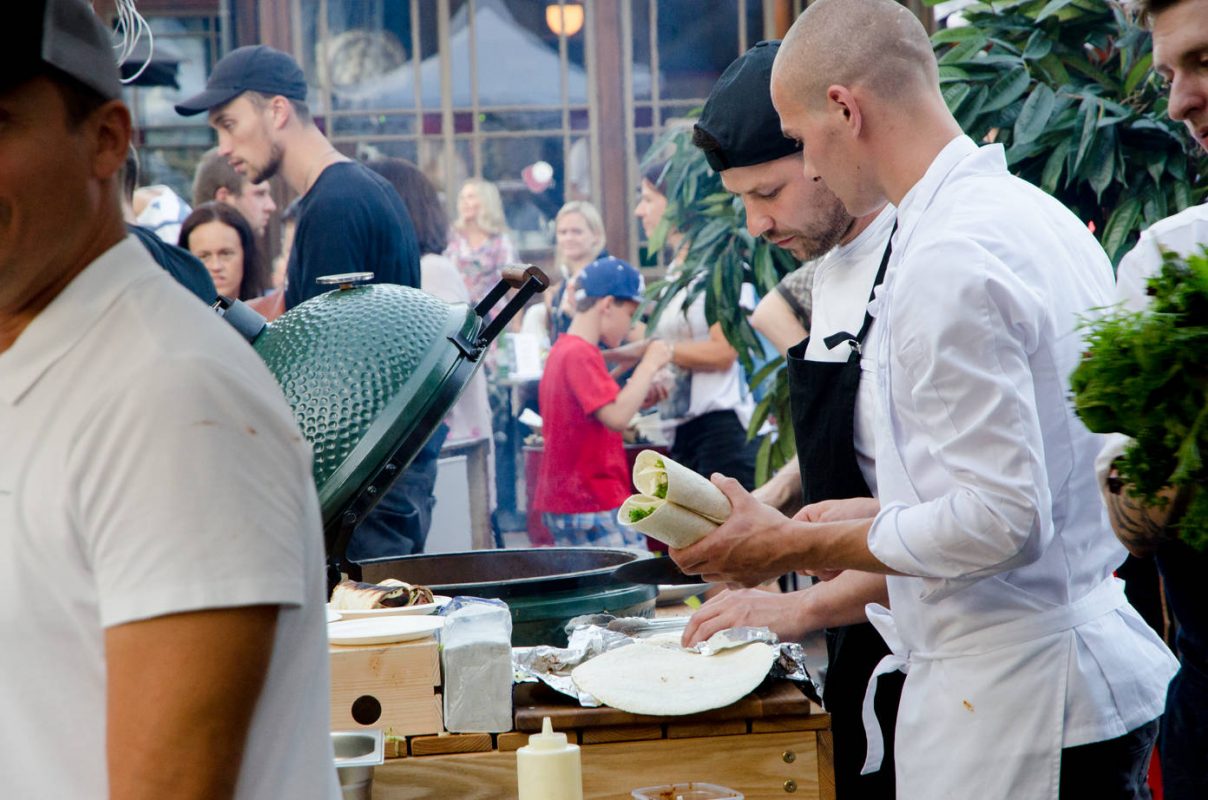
{"type": "Point", "coordinates": [645, 678]}
{"type": "Point", "coordinates": [691, 506]}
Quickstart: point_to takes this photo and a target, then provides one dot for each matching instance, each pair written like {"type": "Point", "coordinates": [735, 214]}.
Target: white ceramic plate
{"type": "Point", "coordinates": [670, 594]}
{"type": "Point", "coordinates": [333, 616]}
{"type": "Point", "coordinates": [400, 611]}
{"type": "Point", "coordinates": [383, 630]}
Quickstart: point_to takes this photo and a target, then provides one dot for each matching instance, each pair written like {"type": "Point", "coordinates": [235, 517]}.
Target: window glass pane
{"type": "Point", "coordinates": [345, 125]}
{"type": "Point", "coordinates": [640, 16]}
{"type": "Point", "coordinates": [183, 51]}
{"type": "Point", "coordinates": [517, 53]}
{"type": "Point", "coordinates": [695, 48]}
{"type": "Point", "coordinates": [392, 148]}
{"type": "Point", "coordinates": [365, 55]}
{"type": "Point", "coordinates": [529, 208]}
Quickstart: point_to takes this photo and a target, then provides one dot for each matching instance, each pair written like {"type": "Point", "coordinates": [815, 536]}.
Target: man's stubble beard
{"type": "Point", "coordinates": [276, 155]}
{"type": "Point", "coordinates": [825, 235]}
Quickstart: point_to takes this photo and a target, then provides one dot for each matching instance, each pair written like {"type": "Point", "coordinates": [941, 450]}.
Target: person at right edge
{"type": "Point", "coordinates": [832, 399]}
{"type": "Point", "coordinates": [1028, 674]}
{"type": "Point", "coordinates": [350, 219]}
{"type": "Point", "coordinates": [1180, 42]}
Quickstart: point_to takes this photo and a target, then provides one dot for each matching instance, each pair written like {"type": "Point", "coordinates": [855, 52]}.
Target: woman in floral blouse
{"type": "Point", "coordinates": [479, 244]}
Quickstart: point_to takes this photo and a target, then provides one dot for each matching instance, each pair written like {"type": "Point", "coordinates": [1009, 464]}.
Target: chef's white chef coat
{"type": "Point", "coordinates": [1016, 639]}
{"type": "Point", "coordinates": [1184, 233]}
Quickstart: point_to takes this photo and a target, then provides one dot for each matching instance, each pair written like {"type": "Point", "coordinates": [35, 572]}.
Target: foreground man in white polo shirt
{"type": "Point", "coordinates": [1028, 674]}
{"type": "Point", "coordinates": [161, 561]}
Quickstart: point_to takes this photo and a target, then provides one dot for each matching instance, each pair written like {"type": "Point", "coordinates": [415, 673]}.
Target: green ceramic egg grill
{"type": "Point", "coordinates": [370, 371]}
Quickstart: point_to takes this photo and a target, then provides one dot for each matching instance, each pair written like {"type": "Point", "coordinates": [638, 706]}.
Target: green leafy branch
{"type": "Point", "coordinates": [1067, 86]}
{"type": "Point", "coordinates": [1145, 374]}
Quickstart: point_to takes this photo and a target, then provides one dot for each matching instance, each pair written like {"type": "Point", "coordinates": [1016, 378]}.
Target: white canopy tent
{"type": "Point", "coordinates": [515, 68]}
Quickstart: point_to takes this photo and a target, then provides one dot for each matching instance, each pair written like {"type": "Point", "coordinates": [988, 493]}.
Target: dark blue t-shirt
{"type": "Point", "coordinates": [351, 220]}
{"type": "Point", "coordinates": [182, 265]}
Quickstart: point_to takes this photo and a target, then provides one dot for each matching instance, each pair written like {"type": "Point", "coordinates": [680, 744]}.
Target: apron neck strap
{"type": "Point", "coordinates": [836, 339]}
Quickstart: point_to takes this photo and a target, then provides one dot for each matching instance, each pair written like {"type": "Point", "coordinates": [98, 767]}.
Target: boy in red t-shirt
{"type": "Point", "coordinates": [584, 478]}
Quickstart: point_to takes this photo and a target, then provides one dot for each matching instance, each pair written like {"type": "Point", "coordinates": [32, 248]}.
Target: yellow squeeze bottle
{"type": "Point", "coordinates": [548, 768]}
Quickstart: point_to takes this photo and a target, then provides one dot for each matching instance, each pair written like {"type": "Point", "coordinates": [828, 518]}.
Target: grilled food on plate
{"type": "Point", "coordinates": [390, 593]}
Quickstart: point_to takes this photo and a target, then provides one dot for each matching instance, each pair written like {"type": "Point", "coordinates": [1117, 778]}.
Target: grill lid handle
{"type": "Point", "coordinates": [527, 280]}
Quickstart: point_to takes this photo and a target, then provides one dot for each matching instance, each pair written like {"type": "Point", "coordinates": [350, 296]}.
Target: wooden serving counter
{"type": "Point", "coordinates": [774, 743]}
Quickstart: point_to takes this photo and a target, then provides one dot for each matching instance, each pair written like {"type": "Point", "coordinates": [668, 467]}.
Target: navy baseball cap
{"type": "Point", "coordinates": [258, 68]}
{"type": "Point", "coordinates": [739, 114]}
{"type": "Point", "coordinates": [65, 35]}
{"type": "Point", "coordinates": [609, 276]}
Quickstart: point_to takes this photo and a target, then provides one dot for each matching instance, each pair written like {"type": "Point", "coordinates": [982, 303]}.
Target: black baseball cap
{"type": "Point", "coordinates": [740, 116]}
{"type": "Point", "coordinates": [65, 35]}
{"type": "Point", "coordinates": [258, 68]}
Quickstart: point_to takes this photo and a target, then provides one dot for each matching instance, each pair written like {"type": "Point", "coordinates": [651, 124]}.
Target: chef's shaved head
{"type": "Point", "coordinates": [877, 44]}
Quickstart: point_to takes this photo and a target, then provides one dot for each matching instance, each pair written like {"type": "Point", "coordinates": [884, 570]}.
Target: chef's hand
{"type": "Point", "coordinates": [747, 549]}
{"type": "Point", "coordinates": [836, 510]}
{"type": "Point", "coordinates": [736, 608]}
{"type": "Point", "coordinates": [833, 511]}
{"type": "Point", "coordinates": [626, 355]}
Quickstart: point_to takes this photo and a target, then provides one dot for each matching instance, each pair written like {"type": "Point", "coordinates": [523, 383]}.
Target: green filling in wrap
{"type": "Point", "coordinates": [639, 514]}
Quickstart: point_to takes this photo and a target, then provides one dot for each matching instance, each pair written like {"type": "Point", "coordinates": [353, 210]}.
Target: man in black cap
{"type": "Point", "coordinates": [787, 203]}
{"type": "Point", "coordinates": [350, 219]}
{"type": "Point", "coordinates": [159, 527]}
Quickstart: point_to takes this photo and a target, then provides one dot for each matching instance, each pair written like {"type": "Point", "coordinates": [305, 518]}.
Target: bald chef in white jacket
{"type": "Point", "coordinates": [1028, 674]}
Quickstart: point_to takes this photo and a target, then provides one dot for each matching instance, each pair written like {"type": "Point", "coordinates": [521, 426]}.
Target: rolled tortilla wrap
{"type": "Point", "coordinates": [673, 525]}
{"type": "Point", "coordinates": [658, 476]}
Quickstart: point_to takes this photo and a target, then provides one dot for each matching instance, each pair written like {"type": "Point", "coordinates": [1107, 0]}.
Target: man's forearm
{"type": "Point", "coordinates": [841, 601]}
{"type": "Point", "coordinates": [782, 490]}
{"type": "Point", "coordinates": [616, 415]}
{"type": "Point", "coordinates": [841, 545]}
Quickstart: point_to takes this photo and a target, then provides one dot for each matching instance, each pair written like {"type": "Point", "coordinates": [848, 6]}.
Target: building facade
{"type": "Point", "coordinates": [471, 87]}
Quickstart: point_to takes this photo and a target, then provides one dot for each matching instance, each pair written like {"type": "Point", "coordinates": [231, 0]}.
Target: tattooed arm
{"type": "Point", "coordinates": [1138, 525]}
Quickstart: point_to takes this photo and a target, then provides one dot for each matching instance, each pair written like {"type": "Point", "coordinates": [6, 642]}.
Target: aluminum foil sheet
{"type": "Point", "coordinates": [593, 634]}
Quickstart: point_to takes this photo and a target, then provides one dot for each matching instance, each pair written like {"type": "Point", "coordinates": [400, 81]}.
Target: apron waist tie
{"type": "Point", "coordinates": [1103, 599]}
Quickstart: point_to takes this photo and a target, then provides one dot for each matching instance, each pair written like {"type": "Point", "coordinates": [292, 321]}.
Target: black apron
{"type": "Point", "coordinates": [823, 395]}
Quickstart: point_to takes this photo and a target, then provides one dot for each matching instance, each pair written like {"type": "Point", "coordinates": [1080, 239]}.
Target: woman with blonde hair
{"type": "Point", "coordinates": [479, 244]}
{"type": "Point", "coordinates": [578, 241]}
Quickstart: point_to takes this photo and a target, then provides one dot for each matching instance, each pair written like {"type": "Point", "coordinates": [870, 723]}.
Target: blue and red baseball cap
{"type": "Point", "coordinates": [609, 276]}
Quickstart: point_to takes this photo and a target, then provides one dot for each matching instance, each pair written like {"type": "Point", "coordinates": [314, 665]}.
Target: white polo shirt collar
{"type": "Point", "coordinates": [71, 315]}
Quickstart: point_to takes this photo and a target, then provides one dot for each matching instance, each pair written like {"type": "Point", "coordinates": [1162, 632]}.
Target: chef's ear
{"type": "Point", "coordinates": [843, 103]}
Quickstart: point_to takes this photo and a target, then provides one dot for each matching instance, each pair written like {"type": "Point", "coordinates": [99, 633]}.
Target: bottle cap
{"type": "Point", "coordinates": [548, 739]}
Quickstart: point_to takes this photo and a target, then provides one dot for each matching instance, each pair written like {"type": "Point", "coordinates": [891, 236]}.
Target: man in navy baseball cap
{"type": "Point", "coordinates": [259, 68]}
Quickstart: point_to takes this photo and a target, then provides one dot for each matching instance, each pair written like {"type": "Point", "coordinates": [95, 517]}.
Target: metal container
{"type": "Point", "coordinates": [356, 754]}
{"type": "Point", "coordinates": [543, 586]}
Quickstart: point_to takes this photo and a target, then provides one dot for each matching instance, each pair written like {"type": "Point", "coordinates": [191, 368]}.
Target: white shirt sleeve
{"type": "Point", "coordinates": [192, 489]}
{"type": "Point", "coordinates": [1136, 268]}
{"type": "Point", "coordinates": [962, 389]}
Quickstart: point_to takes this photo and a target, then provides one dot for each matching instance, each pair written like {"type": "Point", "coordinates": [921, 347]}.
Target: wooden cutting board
{"type": "Point", "coordinates": [535, 701]}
